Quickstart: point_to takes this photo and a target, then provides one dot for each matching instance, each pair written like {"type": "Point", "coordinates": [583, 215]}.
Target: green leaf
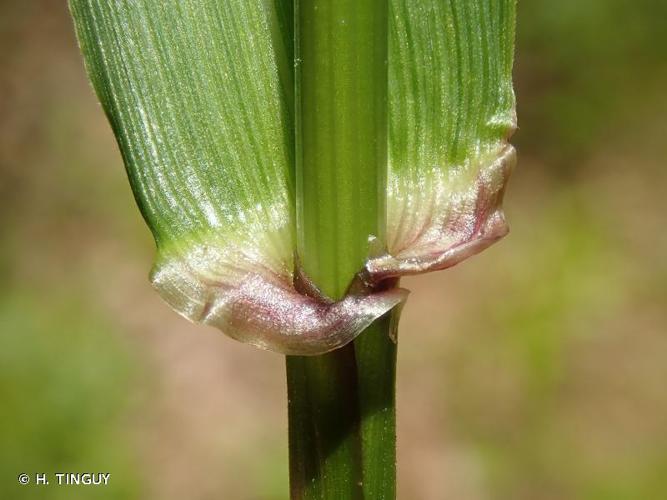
{"type": "Point", "coordinates": [392, 160]}
{"type": "Point", "coordinates": [199, 95]}
{"type": "Point", "coordinates": [193, 93]}
{"type": "Point", "coordinates": [451, 113]}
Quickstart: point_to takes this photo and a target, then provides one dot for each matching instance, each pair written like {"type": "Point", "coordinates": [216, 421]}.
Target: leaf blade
{"type": "Point", "coordinates": [451, 108]}
{"type": "Point", "coordinates": [202, 128]}
{"type": "Point", "coordinates": [198, 94]}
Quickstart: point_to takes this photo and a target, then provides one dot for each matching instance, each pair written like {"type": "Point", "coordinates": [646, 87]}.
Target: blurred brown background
{"type": "Point", "coordinates": [536, 371]}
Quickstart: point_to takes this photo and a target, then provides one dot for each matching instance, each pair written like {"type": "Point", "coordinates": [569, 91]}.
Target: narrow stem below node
{"type": "Point", "coordinates": [341, 405]}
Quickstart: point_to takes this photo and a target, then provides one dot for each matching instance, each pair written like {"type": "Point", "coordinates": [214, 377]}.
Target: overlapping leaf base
{"type": "Point", "coordinates": [255, 300]}
{"type": "Point", "coordinates": [200, 95]}
{"type": "Point", "coordinates": [444, 218]}
{"type": "Point", "coordinates": [251, 296]}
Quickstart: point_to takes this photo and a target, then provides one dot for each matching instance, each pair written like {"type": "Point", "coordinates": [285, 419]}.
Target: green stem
{"type": "Point", "coordinates": [376, 375]}
{"type": "Point", "coordinates": [341, 405]}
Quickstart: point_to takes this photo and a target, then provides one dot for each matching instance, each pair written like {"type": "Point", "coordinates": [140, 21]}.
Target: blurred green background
{"type": "Point", "coordinates": [536, 371]}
